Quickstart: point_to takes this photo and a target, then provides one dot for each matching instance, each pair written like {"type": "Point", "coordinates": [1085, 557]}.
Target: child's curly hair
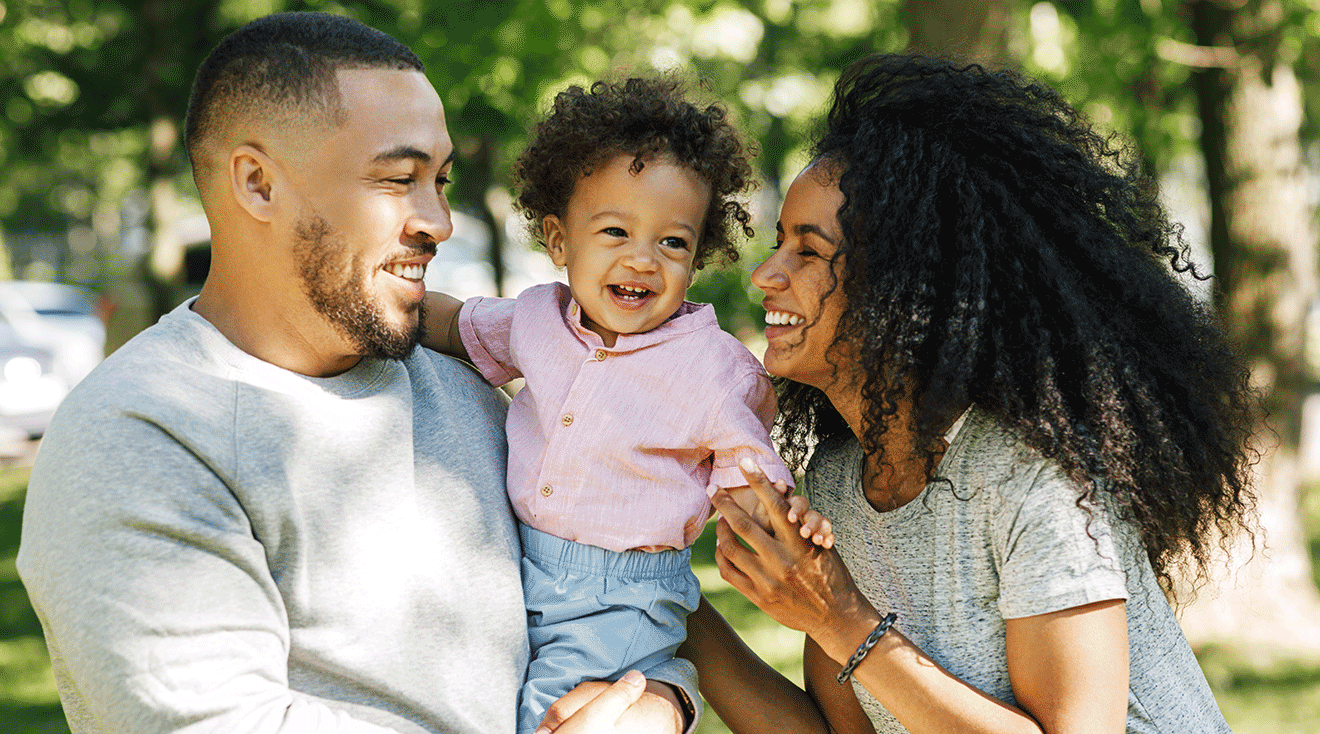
{"type": "Point", "coordinates": [647, 119]}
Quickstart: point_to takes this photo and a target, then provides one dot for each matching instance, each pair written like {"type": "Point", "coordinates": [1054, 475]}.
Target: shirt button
{"type": "Point", "coordinates": [546, 491]}
{"type": "Point", "coordinates": [600, 355]}
{"type": "Point", "coordinates": [567, 419]}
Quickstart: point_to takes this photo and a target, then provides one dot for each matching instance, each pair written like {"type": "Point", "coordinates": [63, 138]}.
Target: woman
{"type": "Point", "coordinates": [1023, 426]}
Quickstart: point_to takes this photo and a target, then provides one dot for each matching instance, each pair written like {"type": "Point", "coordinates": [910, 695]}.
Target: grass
{"type": "Point", "coordinates": [1285, 700]}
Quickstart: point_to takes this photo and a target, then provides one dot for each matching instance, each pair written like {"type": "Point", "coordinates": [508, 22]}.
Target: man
{"type": "Point", "coordinates": [269, 512]}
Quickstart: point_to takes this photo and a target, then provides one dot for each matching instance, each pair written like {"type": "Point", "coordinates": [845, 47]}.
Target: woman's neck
{"type": "Point", "coordinates": [902, 475]}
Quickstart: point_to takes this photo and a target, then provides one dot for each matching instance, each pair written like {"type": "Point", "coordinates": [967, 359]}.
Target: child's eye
{"type": "Point", "coordinates": [678, 243]}
{"type": "Point", "coordinates": [614, 232]}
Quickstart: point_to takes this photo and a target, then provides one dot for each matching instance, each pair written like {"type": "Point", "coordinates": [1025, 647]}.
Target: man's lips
{"type": "Point", "coordinates": [409, 271]}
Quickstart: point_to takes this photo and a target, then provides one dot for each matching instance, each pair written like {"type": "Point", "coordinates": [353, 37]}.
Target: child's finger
{"type": "Point", "coordinates": [797, 507]}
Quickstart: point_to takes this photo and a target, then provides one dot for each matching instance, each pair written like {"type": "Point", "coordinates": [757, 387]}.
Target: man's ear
{"type": "Point", "coordinates": [252, 181]}
{"type": "Point", "coordinates": [553, 230]}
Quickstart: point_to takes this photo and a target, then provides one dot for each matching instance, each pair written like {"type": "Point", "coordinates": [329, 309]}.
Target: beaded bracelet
{"type": "Point", "coordinates": [865, 647]}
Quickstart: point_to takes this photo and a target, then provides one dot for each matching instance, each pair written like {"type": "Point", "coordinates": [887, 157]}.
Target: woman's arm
{"type": "Point", "coordinates": [1068, 668]}
{"type": "Point", "coordinates": [440, 324]}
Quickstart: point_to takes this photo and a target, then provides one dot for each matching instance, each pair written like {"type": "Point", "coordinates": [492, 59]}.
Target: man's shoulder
{"type": "Point", "coordinates": [169, 372]}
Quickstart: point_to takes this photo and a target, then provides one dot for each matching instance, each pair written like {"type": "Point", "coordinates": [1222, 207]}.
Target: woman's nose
{"type": "Point", "coordinates": [768, 276]}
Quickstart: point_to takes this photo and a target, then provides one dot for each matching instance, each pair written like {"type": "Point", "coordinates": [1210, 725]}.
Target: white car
{"type": "Point", "coordinates": [50, 338]}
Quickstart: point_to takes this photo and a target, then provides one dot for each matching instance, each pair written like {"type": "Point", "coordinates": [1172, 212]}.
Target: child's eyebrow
{"type": "Point", "coordinates": [625, 215]}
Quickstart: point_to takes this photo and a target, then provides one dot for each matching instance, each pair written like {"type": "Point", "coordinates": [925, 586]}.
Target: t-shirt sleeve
{"type": "Point", "coordinates": [485, 325]}
{"type": "Point", "coordinates": [740, 428]}
{"type": "Point", "coordinates": [1056, 555]}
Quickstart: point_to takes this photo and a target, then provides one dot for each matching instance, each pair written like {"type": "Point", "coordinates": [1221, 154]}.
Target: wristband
{"type": "Point", "coordinates": [865, 647]}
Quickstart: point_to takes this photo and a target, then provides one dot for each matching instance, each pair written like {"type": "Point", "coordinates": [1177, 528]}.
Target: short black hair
{"type": "Point", "coordinates": [285, 61]}
{"type": "Point", "coordinates": [646, 118]}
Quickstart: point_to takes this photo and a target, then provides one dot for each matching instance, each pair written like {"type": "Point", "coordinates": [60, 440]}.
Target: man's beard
{"type": "Point", "coordinates": [335, 282]}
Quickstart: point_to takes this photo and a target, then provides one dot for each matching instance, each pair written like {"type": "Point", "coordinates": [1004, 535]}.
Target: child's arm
{"type": "Point", "coordinates": [812, 524]}
{"type": "Point", "coordinates": [440, 324]}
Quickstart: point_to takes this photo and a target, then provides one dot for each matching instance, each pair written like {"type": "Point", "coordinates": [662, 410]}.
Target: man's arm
{"type": "Point", "coordinates": [157, 603]}
{"type": "Point", "coordinates": [440, 324]}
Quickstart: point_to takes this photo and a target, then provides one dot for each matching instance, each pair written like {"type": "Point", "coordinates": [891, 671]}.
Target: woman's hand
{"type": "Point", "coordinates": [797, 583]}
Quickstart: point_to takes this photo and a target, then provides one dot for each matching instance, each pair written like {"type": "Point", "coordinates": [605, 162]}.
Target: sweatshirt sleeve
{"type": "Point", "coordinates": [158, 606]}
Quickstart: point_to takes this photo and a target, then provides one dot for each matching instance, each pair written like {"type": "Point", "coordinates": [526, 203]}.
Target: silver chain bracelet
{"type": "Point", "coordinates": [865, 647]}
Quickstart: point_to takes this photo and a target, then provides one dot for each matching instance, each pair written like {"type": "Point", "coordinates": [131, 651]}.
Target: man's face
{"type": "Point", "coordinates": [372, 209]}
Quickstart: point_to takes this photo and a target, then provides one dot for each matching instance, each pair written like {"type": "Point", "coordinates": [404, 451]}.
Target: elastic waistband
{"type": "Point", "coordinates": [554, 552]}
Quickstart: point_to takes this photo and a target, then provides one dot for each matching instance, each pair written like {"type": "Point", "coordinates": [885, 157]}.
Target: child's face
{"type": "Point", "coordinates": [627, 242]}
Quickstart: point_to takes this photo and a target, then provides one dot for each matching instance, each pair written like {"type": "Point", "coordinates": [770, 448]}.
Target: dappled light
{"type": "Point", "coordinates": [1218, 102]}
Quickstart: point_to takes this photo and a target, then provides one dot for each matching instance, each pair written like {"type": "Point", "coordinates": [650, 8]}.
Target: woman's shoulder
{"type": "Point", "coordinates": [832, 469]}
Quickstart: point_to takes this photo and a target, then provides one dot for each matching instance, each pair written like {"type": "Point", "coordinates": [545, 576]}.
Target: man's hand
{"type": "Point", "coordinates": [653, 709]}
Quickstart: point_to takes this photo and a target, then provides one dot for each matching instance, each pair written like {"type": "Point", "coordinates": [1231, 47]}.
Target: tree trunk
{"type": "Point", "coordinates": [974, 29]}
{"type": "Point", "coordinates": [1263, 243]}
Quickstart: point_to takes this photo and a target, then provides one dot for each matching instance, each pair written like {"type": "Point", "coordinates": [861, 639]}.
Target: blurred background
{"type": "Point", "coordinates": [101, 231]}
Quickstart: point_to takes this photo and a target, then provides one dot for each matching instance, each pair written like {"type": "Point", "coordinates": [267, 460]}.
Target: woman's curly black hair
{"type": "Point", "coordinates": [997, 250]}
{"type": "Point", "coordinates": [646, 119]}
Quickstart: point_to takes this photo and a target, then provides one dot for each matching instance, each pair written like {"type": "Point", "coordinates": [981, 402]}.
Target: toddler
{"type": "Point", "coordinates": [636, 404]}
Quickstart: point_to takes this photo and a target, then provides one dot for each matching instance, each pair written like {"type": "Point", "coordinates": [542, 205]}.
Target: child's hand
{"type": "Point", "coordinates": [813, 525]}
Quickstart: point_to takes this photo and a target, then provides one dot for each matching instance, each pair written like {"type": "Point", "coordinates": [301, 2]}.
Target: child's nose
{"type": "Point", "coordinates": [642, 259]}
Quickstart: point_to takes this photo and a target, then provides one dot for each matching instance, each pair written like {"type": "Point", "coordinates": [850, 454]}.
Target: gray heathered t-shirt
{"type": "Point", "coordinates": [1007, 540]}
{"type": "Point", "coordinates": [214, 544]}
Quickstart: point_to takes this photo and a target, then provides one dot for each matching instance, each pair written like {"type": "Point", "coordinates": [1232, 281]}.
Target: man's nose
{"type": "Point", "coordinates": [432, 220]}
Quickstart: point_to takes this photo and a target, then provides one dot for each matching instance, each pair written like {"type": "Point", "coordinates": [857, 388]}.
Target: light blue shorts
{"type": "Point", "coordinates": [595, 614]}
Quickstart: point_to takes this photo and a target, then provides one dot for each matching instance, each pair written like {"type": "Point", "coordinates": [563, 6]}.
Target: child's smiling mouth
{"type": "Point", "coordinates": [630, 293]}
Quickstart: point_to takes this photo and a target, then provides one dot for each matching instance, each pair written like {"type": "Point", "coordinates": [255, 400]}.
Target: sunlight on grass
{"type": "Point", "coordinates": [28, 701]}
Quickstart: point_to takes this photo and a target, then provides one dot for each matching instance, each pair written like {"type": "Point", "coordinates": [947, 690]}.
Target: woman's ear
{"type": "Point", "coordinates": [252, 178]}
{"type": "Point", "coordinates": [553, 231]}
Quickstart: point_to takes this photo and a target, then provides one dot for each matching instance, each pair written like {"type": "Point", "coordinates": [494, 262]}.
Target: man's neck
{"type": "Point", "coordinates": [262, 329]}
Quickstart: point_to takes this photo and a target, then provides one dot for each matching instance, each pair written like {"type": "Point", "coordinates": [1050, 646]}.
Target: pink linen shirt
{"type": "Point", "coordinates": [620, 447]}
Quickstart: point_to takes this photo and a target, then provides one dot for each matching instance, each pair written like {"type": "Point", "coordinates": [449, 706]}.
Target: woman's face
{"type": "Point", "coordinates": [800, 328]}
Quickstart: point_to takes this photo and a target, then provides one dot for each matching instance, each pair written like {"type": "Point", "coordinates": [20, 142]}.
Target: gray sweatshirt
{"type": "Point", "coordinates": [214, 544]}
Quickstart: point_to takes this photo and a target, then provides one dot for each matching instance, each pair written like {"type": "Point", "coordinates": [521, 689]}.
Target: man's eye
{"type": "Point", "coordinates": [807, 252]}
{"type": "Point", "coordinates": [678, 243]}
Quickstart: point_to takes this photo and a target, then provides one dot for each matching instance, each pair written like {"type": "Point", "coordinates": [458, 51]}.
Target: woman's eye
{"type": "Point", "coordinates": [402, 180]}
{"type": "Point", "coordinates": [678, 243]}
{"type": "Point", "coordinates": [442, 181]}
